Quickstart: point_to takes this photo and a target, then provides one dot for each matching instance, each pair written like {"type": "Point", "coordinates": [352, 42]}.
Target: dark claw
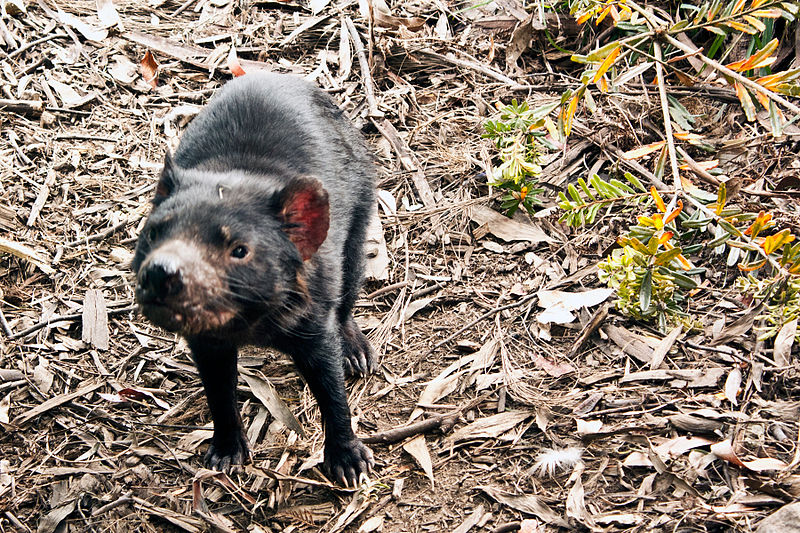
{"type": "Point", "coordinates": [348, 463]}
{"type": "Point", "coordinates": [359, 357]}
{"type": "Point", "coordinates": [230, 458]}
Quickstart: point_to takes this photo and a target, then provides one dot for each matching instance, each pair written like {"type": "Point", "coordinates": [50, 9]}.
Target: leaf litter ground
{"type": "Point", "coordinates": [482, 416]}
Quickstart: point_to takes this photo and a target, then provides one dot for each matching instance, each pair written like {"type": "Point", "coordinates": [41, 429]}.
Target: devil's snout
{"type": "Point", "coordinates": [160, 278]}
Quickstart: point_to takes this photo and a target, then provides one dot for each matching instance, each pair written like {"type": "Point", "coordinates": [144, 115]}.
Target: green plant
{"type": "Point", "coordinates": [653, 277]}
{"type": "Point", "coordinates": [518, 145]}
{"type": "Point", "coordinates": [579, 210]}
{"type": "Point", "coordinates": [648, 271]}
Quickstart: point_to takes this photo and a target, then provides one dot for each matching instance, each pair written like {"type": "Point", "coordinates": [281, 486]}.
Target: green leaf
{"type": "Point", "coordinates": [697, 223]}
{"type": "Point", "coordinates": [585, 188]}
{"type": "Point", "coordinates": [688, 250]}
{"type": "Point", "coordinates": [791, 7]}
{"type": "Point", "coordinates": [635, 182]}
{"type": "Point", "coordinates": [652, 245]}
{"type": "Point", "coordinates": [717, 30]}
{"type": "Point", "coordinates": [601, 53]}
{"type": "Point", "coordinates": [679, 26]}
{"type": "Point", "coordinates": [729, 228]}
{"type": "Point", "coordinates": [664, 258]}
{"type": "Point", "coordinates": [573, 192]}
{"type": "Point", "coordinates": [720, 240]}
{"type": "Point", "coordinates": [593, 210]}
{"type": "Point", "coordinates": [684, 282]}
{"type": "Point", "coordinates": [637, 245]}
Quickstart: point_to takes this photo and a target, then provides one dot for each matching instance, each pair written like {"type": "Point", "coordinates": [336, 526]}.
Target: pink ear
{"type": "Point", "coordinates": [306, 214]}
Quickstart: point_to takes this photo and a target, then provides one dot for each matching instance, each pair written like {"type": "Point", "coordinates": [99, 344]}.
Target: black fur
{"type": "Point", "coordinates": [233, 183]}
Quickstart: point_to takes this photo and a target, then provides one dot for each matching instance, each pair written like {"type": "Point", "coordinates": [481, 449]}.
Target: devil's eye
{"type": "Point", "coordinates": [240, 252]}
{"type": "Point", "coordinates": [152, 233]}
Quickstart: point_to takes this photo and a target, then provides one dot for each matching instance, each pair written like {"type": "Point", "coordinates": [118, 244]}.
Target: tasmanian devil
{"type": "Point", "coordinates": [256, 237]}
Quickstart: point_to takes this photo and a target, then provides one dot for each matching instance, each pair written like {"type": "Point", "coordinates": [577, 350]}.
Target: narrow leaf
{"type": "Point", "coordinates": [646, 291]}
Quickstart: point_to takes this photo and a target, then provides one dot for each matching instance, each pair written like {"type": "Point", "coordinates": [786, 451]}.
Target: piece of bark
{"type": "Point", "coordinates": [95, 320]}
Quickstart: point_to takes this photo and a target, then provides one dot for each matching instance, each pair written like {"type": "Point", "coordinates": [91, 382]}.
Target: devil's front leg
{"type": "Point", "coordinates": [318, 357]}
{"type": "Point", "coordinates": [216, 362]}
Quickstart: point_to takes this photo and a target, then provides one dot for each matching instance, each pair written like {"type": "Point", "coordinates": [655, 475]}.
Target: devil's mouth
{"type": "Point", "coordinates": [188, 318]}
{"type": "Point", "coordinates": [164, 316]}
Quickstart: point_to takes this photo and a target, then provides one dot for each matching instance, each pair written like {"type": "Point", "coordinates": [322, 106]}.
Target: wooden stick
{"type": "Point", "coordinates": [22, 106]}
{"type": "Point", "coordinates": [366, 75]}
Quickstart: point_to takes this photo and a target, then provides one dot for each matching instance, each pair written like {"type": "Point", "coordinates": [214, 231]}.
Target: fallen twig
{"type": "Point", "coordinates": [366, 75]}
{"type": "Point", "coordinates": [444, 422]}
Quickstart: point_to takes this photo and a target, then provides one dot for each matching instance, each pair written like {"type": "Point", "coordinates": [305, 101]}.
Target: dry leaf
{"type": "Point", "coordinates": [61, 399]}
{"type": "Point", "coordinates": [318, 5]}
{"type": "Point", "coordinates": [637, 459]}
{"type": "Point", "coordinates": [783, 343]}
{"type": "Point", "coordinates": [149, 69]}
{"type": "Point", "coordinates": [696, 378]}
{"type": "Point", "coordinates": [738, 327]}
{"type": "Point", "coordinates": [442, 385]}
{"type": "Point", "coordinates": [678, 446]}
{"type": "Point", "coordinates": [724, 450]}
{"type": "Point", "coordinates": [377, 267]}
{"type": "Point", "coordinates": [372, 524]}
{"type": "Point", "coordinates": [266, 393]}
{"type": "Point", "coordinates": [42, 376]}
{"type": "Point", "coordinates": [416, 306]}
{"type": "Point", "coordinates": [572, 301]}
{"type": "Point", "coordinates": [732, 385]}
{"type": "Point", "coordinates": [387, 202]}
{"type": "Point", "coordinates": [555, 369]}
{"type": "Point", "coordinates": [623, 519]}
{"type": "Point", "coordinates": [50, 521]}
{"type": "Point", "coordinates": [69, 96]}
{"type": "Point", "coordinates": [632, 344]}
{"type": "Point", "coordinates": [576, 505]}
{"type": "Point", "coordinates": [13, 8]}
{"type": "Point", "coordinates": [506, 228]}
{"type": "Point", "coordinates": [123, 70]}
{"type": "Point", "coordinates": [472, 520]}
{"type": "Point", "coordinates": [520, 41]}
{"type": "Point", "coordinates": [493, 247]}
{"type": "Point", "coordinates": [345, 52]}
{"type": "Point", "coordinates": [5, 406]}
{"type": "Point", "coordinates": [491, 426]}
{"type": "Point", "coordinates": [483, 361]}
{"type": "Point", "coordinates": [84, 28]}
{"type": "Point", "coordinates": [531, 526]}
{"type": "Point", "coordinates": [418, 449]}
{"type": "Point", "coordinates": [526, 503]}
{"type": "Point", "coordinates": [663, 347]}
{"type": "Point", "coordinates": [107, 13]}
{"type": "Point", "coordinates": [354, 509]}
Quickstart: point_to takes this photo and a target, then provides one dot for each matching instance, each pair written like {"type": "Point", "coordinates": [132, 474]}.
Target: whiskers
{"type": "Point", "coordinates": [283, 313]}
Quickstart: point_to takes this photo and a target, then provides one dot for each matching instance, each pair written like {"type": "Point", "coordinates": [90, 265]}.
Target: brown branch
{"type": "Point", "coordinates": [443, 422]}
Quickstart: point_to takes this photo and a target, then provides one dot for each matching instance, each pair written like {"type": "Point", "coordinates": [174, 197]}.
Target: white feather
{"type": "Point", "coordinates": [551, 461]}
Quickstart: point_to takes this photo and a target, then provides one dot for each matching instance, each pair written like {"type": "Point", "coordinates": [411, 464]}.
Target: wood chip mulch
{"type": "Point", "coordinates": [481, 417]}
